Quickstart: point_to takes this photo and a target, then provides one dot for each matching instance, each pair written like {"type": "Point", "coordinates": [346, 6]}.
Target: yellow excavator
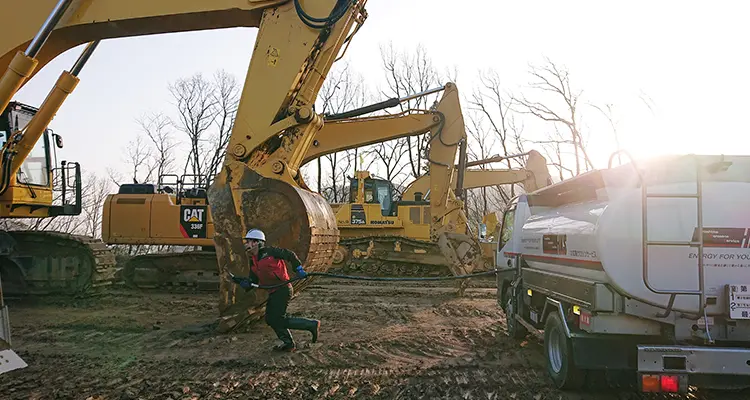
{"type": "Point", "coordinates": [259, 184]}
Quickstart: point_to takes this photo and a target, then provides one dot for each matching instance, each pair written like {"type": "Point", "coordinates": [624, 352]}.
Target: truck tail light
{"type": "Point", "coordinates": [662, 383]}
{"type": "Point", "coordinates": [670, 383]}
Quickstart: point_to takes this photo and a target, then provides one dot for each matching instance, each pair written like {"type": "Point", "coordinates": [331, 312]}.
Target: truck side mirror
{"type": "Point", "coordinates": [58, 140]}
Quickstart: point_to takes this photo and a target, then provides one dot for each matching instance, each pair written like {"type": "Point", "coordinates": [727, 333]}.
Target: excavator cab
{"type": "Point", "coordinates": [39, 166]}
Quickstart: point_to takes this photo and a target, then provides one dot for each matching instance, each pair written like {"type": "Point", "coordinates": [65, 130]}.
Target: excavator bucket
{"type": "Point", "coordinates": [291, 218]}
{"type": "Point", "coordinates": [463, 253]}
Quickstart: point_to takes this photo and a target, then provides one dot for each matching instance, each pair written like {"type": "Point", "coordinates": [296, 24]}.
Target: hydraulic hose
{"type": "Point", "coordinates": [366, 278]}
{"type": "Point", "coordinates": [338, 11]}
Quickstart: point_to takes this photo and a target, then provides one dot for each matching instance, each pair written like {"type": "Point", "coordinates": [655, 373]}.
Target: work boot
{"type": "Point", "coordinates": [288, 347]}
{"type": "Point", "coordinates": [315, 331]}
{"type": "Point", "coordinates": [286, 337]}
{"type": "Point", "coordinates": [304, 324]}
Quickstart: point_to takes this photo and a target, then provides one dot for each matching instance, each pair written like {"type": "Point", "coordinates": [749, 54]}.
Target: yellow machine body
{"type": "Point", "coordinates": [259, 184]}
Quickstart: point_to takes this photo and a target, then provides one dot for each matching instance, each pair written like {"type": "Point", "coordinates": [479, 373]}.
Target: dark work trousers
{"type": "Point", "coordinates": [277, 319]}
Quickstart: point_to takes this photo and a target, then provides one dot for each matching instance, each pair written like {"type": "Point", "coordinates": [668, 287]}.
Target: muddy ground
{"type": "Point", "coordinates": [378, 341]}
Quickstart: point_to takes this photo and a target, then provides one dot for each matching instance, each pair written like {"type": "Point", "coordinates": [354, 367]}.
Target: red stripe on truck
{"type": "Point", "coordinates": [569, 262]}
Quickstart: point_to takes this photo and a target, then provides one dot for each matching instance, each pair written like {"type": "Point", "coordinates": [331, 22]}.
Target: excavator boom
{"type": "Point", "coordinates": [25, 48]}
{"type": "Point", "coordinates": [347, 134]}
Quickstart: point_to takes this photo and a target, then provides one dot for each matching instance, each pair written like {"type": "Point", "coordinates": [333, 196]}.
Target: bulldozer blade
{"type": "Point", "coordinates": [291, 218]}
{"type": "Point", "coordinates": [464, 254]}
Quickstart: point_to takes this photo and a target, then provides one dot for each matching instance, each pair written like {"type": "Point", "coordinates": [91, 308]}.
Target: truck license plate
{"type": "Point", "coordinates": [739, 301]}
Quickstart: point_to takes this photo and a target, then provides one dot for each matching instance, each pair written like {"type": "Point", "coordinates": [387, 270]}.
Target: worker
{"type": "Point", "coordinates": [268, 269]}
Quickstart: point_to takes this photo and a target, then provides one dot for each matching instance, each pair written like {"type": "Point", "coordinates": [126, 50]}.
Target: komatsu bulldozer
{"type": "Point", "coordinates": [259, 185]}
{"type": "Point", "coordinates": [383, 235]}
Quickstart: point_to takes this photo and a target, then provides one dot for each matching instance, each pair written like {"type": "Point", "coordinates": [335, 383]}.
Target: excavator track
{"type": "Point", "coordinates": [195, 271]}
{"type": "Point", "coordinates": [54, 263]}
{"type": "Point", "coordinates": [390, 255]}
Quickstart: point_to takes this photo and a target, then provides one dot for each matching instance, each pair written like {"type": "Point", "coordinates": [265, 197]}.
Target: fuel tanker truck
{"type": "Point", "coordinates": [642, 268]}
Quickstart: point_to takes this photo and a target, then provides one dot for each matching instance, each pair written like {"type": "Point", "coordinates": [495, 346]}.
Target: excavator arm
{"type": "Point", "coordinates": [345, 131]}
{"type": "Point", "coordinates": [259, 184]}
{"type": "Point", "coordinates": [341, 135]}
{"type": "Point", "coordinates": [534, 176]}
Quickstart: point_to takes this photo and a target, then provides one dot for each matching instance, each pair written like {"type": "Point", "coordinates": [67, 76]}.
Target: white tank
{"type": "Point", "coordinates": [591, 227]}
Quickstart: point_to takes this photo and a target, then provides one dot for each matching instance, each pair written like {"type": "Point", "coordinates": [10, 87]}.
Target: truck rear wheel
{"type": "Point", "coordinates": [559, 353]}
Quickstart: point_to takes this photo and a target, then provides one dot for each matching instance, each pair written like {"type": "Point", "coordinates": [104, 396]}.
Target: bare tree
{"type": "Point", "coordinates": [227, 95]}
{"type": "Point", "coordinates": [494, 104]}
{"type": "Point", "coordinates": [554, 81]}
{"type": "Point", "coordinates": [206, 111]}
{"type": "Point", "coordinates": [197, 111]}
{"type": "Point", "coordinates": [93, 193]}
{"type": "Point", "coordinates": [157, 128]}
{"type": "Point", "coordinates": [139, 155]}
{"type": "Point", "coordinates": [479, 148]}
{"type": "Point", "coordinates": [342, 91]}
{"type": "Point", "coordinates": [410, 73]}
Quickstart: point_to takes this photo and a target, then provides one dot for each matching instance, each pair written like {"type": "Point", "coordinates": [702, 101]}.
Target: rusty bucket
{"type": "Point", "coordinates": [291, 218]}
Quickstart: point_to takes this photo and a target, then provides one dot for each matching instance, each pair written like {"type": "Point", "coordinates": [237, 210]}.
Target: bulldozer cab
{"type": "Point", "coordinates": [375, 191]}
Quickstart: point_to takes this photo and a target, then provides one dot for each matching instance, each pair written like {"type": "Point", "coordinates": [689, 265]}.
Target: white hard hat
{"type": "Point", "coordinates": [255, 234]}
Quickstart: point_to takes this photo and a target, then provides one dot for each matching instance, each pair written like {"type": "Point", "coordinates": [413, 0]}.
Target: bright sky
{"type": "Point", "coordinates": [683, 55]}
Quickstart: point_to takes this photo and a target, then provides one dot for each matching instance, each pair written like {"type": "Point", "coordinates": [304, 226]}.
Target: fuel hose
{"type": "Point", "coordinates": [366, 278]}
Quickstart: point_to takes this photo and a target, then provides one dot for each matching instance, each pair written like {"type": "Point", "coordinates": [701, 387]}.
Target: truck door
{"type": "Point", "coordinates": [505, 256]}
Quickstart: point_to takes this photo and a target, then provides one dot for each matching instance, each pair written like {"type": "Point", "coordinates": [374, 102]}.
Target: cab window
{"type": "Point", "coordinates": [507, 231]}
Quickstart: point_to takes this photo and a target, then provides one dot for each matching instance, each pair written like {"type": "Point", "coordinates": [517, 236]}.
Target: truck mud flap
{"type": "Point", "coordinates": [599, 353]}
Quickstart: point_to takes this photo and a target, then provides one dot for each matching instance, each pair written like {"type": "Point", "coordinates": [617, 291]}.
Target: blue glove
{"type": "Point", "coordinates": [301, 272]}
{"type": "Point", "coordinates": [243, 282]}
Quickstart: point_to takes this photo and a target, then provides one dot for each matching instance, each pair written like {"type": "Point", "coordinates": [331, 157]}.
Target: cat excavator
{"type": "Point", "coordinates": [259, 184]}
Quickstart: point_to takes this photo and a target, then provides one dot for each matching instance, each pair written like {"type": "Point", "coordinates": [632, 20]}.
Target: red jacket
{"type": "Point", "coordinates": [268, 267]}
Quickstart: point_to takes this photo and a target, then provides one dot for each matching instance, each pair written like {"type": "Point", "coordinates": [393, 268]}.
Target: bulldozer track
{"type": "Point", "coordinates": [383, 260]}
{"type": "Point", "coordinates": [45, 262]}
